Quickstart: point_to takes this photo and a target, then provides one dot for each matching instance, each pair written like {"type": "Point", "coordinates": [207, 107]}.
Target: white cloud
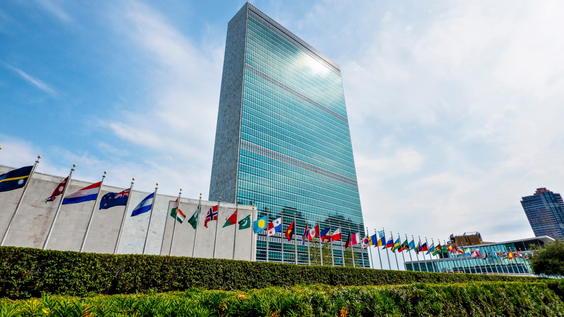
{"type": "Point", "coordinates": [34, 81]}
{"type": "Point", "coordinates": [54, 7]}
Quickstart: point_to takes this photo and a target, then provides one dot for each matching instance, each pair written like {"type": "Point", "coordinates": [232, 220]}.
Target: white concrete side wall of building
{"type": "Point", "coordinates": [31, 225]}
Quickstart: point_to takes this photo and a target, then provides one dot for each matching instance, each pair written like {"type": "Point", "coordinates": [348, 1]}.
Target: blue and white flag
{"type": "Point", "coordinates": [144, 206]}
{"type": "Point", "coordinates": [275, 226]}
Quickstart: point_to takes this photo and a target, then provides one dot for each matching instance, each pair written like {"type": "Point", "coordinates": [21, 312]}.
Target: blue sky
{"type": "Point", "coordinates": [455, 108]}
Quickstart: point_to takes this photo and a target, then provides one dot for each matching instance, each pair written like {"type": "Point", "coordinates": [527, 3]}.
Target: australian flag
{"type": "Point", "coordinates": [112, 199]}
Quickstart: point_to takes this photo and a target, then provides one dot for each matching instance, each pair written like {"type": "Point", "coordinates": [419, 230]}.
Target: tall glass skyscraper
{"type": "Point", "coordinates": [282, 139]}
{"type": "Point", "coordinates": [545, 211]}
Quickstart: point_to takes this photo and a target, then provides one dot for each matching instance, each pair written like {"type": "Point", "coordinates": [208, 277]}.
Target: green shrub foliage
{"type": "Point", "coordinates": [462, 299]}
{"type": "Point", "coordinates": [26, 272]}
{"type": "Point", "coordinates": [549, 259]}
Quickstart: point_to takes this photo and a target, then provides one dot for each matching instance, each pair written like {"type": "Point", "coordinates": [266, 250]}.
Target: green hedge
{"type": "Point", "coordinates": [462, 299]}
{"type": "Point", "coordinates": [28, 273]}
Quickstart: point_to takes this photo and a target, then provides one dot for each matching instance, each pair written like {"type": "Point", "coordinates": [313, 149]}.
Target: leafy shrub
{"type": "Point", "coordinates": [549, 259]}
{"type": "Point", "coordinates": [26, 272]}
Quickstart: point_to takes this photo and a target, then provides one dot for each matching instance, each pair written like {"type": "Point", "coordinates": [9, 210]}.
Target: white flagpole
{"type": "Point", "coordinates": [401, 247]}
{"type": "Point", "coordinates": [267, 237]}
{"type": "Point", "coordinates": [331, 245]}
{"type": "Point", "coordinates": [295, 241]}
{"type": "Point", "coordinates": [378, 247]}
{"type": "Point", "coordinates": [124, 216]}
{"type": "Point", "coordinates": [216, 225]}
{"type": "Point", "coordinates": [235, 231]}
{"type": "Point", "coordinates": [308, 253]}
{"type": "Point", "coordinates": [20, 201]}
{"type": "Point", "coordinates": [352, 246]}
{"type": "Point", "coordinates": [252, 230]}
{"type": "Point", "coordinates": [361, 249]}
{"type": "Point", "coordinates": [92, 213]}
{"type": "Point", "coordinates": [387, 251]}
{"type": "Point", "coordinates": [320, 243]}
{"type": "Point", "coordinates": [410, 258]}
{"type": "Point", "coordinates": [372, 264]}
{"type": "Point", "coordinates": [282, 238]}
{"type": "Point", "coordinates": [431, 256]}
{"type": "Point", "coordinates": [417, 252]}
{"type": "Point", "coordinates": [395, 254]}
{"type": "Point", "coordinates": [150, 217]}
{"type": "Point", "coordinates": [173, 226]}
{"type": "Point", "coordinates": [197, 223]}
{"type": "Point", "coordinates": [67, 184]}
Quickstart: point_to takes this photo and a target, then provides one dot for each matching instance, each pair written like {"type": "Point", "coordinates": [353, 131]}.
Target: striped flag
{"type": "Point", "coordinates": [85, 194]}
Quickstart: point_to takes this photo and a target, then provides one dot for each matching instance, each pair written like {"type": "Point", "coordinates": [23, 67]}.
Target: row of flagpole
{"type": "Point", "coordinates": [376, 240]}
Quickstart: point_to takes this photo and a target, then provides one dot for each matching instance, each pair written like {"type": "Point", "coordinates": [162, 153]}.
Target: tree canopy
{"type": "Point", "coordinates": [549, 259]}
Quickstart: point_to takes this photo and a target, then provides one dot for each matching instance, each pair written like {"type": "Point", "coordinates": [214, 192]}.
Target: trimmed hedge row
{"type": "Point", "coordinates": [26, 272]}
{"type": "Point", "coordinates": [462, 299]}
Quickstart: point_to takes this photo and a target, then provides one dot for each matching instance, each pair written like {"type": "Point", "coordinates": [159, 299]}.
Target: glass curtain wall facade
{"type": "Point", "coordinates": [490, 262]}
{"type": "Point", "coordinates": [282, 139]}
{"type": "Point", "coordinates": [545, 212]}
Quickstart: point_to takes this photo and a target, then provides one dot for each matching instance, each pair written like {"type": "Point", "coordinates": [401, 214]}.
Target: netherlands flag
{"type": "Point", "coordinates": [86, 194]}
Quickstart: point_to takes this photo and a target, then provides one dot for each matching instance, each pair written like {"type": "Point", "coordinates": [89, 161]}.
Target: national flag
{"type": "Point", "coordinates": [324, 235]}
{"type": "Point", "coordinates": [373, 240]}
{"type": "Point", "coordinates": [460, 250]}
{"type": "Point", "coordinates": [193, 221]}
{"type": "Point", "coordinates": [438, 249]}
{"type": "Point", "coordinates": [144, 206]}
{"type": "Point", "coordinates": [313, 232]}
{"type": "Point", "coordinates": [431, 249]}
{"type": "Point", "coordinates": [355, 238]}
{"type": "Point", "coordinates": [397, 245]}
{"type": "Point", "coordinates": [389, 244]}
{"type": "Point", "coordinates": [245, 223]}
{"type": "Point", "coordinates": [290, 231]}
{"type": "Point", "coordinates": [231, 220]}
{"type": "Point", "coordinates": [306, 234]}
{"type": "Point", "coordinates": [411, 245]}
{"type": "Point", "coordinates": [424, 247]}
{"type": "Point", "coordinates": [58, 190]}
{"type": "Point", "coordinates": [404, 246]}
{"type": "Point", "coordinates": [112, 199]}
{"type": "Point", "coordinates": [510, 256]}
{"type": "Point", "coordinates": [382, 238]}
{"type": "Point", "coordinates": [418, 247]}
{"type": "Point", "coordinates": [259, 224]}
{"type": "Point", "coordinates": [85, 194]}
{"type": "Point", "coordinates": [365, 243]}
{"type": "Point", "coordinates": [274, 226]}
{"type": "Point", "coordinates": [211, 215]}
{"type": "Point", "coordinates": [15, 179]}
{"type": "Point", "coordinates": [176, 213]}
{"type": "Point", "coordinates": [450, 249]}
{"type": "Point", "coordinates": [348, 243]}
{"type": "Point", "coordinates": [336, 235]}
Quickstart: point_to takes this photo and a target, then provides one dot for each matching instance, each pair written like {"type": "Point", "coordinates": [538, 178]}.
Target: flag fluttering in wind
{"type": "Point", "coordinates": [58, 190]}
{"type": "Point", "coordinates": [313, 232]}
{"type": "Point", "coordinates": [175, 212]}
{"type": "Point", "coordinates": [305, 235]}
{"type": "Point", "coordinates": [193, 221]}
{"type": "Point", "coordinates": [144, 206]}
{"type": "Point", "coordinates": [275, 226]}
{"type": "Point", "coordinates": [113, 199]}
{"type": "Point", "coordinates": [324, 235]}
{"type": "Point", "coordinates": [259, 224]}
{"type": "Point", "coordinates": [245, 223]}
{"type": "Point", "coordinates": [87, 193]}
{"type": "Point", "coordinates": [231, 220]}
{"type": "Point", "coordinates": [290, 231]}
{"type": "Point", "coordinates": [211, 215]}
{"type": "Point", "coordinates": [15, 179]}
{"type": "Point", "coordinates": [337, 235]}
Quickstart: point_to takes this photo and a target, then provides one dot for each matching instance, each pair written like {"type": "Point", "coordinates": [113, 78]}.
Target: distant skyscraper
{"type": "Point", "coordinates": [282, 138]}
{"type": "Point", "coordinates": [545, 211]}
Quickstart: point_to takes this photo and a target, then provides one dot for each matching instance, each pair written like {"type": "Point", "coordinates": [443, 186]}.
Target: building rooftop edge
{"type": "Point", "coordinates": [293, 36]}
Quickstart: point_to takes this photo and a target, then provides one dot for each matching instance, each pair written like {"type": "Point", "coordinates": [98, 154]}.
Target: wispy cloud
{"type": "Point", "coordinates": [55, 9]}
{"type": "Point", "coordinates": [34, 81]}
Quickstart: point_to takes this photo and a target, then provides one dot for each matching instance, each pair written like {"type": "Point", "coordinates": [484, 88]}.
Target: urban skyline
{"type": "Point", "coordinates": [545, 212]}
{"type": "Point", "coordinates": [444, 115]}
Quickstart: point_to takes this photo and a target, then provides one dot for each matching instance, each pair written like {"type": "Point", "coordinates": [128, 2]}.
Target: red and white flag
{"type": "Point", "coordinates": [313, 232]}
{"type": "Point", "coordinates": [355, 238]}
{"type": "Point", "coordinates": [58, 190]}
{"type": "Point", "coordinates": [336, 235]}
